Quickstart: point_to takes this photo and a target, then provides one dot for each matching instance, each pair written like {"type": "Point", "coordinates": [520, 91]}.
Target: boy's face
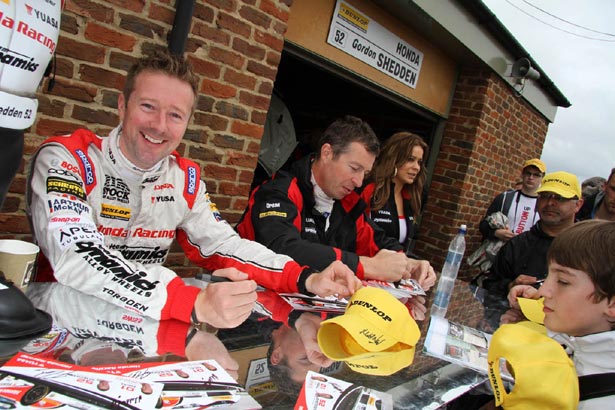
{"type": "Point", "coordinates": [569, 305]}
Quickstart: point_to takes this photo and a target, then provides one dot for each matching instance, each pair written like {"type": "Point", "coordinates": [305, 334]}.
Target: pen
{"type": "Point", "coordinates": [209, 278]}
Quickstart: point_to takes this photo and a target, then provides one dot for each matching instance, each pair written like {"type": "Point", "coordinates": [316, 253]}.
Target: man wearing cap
{"type": "Point", "coordinates": [600, 205]}
{"type": "Point", "coordinates": [518, 205]}
{"type": "Point", "coordinates": [523, 259]}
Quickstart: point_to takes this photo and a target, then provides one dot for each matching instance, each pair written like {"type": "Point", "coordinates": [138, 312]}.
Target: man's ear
{"type": "Point", "coordinates": [276, 356]}
{"type": "Point", "coordinates": [610, 309]}
{"type": "Point", "coordinates": [326, 151]}
{"type": "Point", "coordinates": [121, 106]}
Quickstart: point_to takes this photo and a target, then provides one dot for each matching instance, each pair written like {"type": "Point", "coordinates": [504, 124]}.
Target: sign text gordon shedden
{"type": "Point", "coordinates": [356, 34]}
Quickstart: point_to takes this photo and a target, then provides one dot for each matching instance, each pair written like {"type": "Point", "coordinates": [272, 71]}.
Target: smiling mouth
{"type": "Point", "coordinates": [152, 140]}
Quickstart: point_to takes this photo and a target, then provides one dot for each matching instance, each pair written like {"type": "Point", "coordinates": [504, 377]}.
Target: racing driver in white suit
{"type": "Point", "coordinates": [105, 211]}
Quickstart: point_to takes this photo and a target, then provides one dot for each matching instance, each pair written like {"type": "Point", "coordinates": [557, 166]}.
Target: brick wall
{"type": "Point", "coordinates": [235, 47]}
{"type": "Point", "coordinates": [489, 133]}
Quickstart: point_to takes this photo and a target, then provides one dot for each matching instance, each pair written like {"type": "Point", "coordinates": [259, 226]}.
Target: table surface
{"type": "Point", "coordinates": [93, 332]}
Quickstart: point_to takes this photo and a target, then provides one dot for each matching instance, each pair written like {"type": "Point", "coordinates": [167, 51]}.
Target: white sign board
{"type": "Point", "coordinates": [356, 34]}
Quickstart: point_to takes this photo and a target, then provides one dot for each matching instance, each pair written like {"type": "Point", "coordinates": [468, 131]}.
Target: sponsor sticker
{"type": "Point", "coordinates": [115, 212]}
{"type": "Point", "coordinates": [63, 186]}
{"type": "Point", "coordinates": [272, 213]}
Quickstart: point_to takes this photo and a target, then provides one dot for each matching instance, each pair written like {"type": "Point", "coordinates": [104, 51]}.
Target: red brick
{"type": "Point", "coordinates": [109, 37]}
{"type": "Point", "coordinates": [247, 129]}
{"type": "Point", "coordinates": [216, 89]}
{"type": "Point", "coordinates": [275, 9]}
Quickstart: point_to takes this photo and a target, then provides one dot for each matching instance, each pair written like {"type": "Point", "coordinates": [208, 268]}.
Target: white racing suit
{"type": "Point", "coordinates": [106, 228]}
{"type": "Point", "coordinates": [28, 37]}
{"type": "Point", "coordinates": [80, 320]}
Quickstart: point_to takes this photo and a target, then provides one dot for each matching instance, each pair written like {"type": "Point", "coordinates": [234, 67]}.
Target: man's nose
{"type": "Point", "coordinates": [158, 121]}
{"type": "Point", "coordinates": [358, 180]}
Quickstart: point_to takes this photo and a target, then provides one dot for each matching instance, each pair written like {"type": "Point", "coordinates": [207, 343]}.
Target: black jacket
{"type": "Point", "coordinates": [525, 254]}
{"type": "Point", "coordinates": [281, 216]}
{"type": "Point", "coordinates": [388, 218]}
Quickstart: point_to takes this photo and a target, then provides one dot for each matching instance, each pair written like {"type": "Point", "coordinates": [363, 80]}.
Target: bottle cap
{"type": "Point", "coordinates": [463, 227]}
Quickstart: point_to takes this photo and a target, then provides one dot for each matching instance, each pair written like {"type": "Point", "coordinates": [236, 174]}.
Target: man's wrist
{"type": "Point", "coordinates": [302, 281]}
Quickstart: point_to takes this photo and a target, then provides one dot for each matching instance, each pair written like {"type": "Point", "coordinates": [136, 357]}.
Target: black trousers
{"type": "Point", "coordinates": [11, 151]}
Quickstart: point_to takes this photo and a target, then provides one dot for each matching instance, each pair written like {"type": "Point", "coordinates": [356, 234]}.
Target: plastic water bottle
{"type": "Point", "coordinates": [449, 273]}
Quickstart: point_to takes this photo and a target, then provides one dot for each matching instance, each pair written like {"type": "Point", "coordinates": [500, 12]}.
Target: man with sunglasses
{"type": "Point", "coordinates": [518, 205]}
{"type": "Point", "coordinates": [523, 259]}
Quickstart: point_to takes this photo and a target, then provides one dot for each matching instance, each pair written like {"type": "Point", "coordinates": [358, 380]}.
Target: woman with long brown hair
{"type": "Point", "coordinates": [395, 187]}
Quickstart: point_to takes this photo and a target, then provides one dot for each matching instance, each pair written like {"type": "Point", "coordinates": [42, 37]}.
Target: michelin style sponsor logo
{"type": "Point", "coordinates": [384, 220]}
{"type": "Point", "coordinates": [28, 31]}
{"type": "Point", "coordinates": [142, 254]}
{"type": "Point", "coordinates": [191, 180]}
{"type": "Point", "coordinates": [64, 219]}
{"type": "Point", "coordinates": [162, 198]}
{"type": "Point", "coordinates": [372, 308]}
{"type": "Point", "coordinates": [82, 333]}
{"type": "Point", "coordinates": [163, 186]}
{"type": "Point", "coordinates": [63, 173]}
{"type": "Point", "coordinates": [128, 303]}
{"type": "Point", "coordinates": [62, 204]}
{"type": "Point", "coordinates": [14, 59]}
{"type": "Point", "coordinates": [361, 366]}
{"type": "Point", "coordinates": [42, 16]}
{"type": "Point", "coordinates": [70, 167]}
{"type": "Point", "coordinates": [136, 233]}
{"type": "Point", "coordinates": [74, 233]}
{"type": "Point", "coordinates": [89, 173]}
{"type": "Point", "coordinates": [63, 186]}
{"type": "Point", "coordinates": [108, 264]}
{"type": "Point", "coordinates": [116, 190]}
{"type": "Point", "coordinates": [150, 180]}
{"type": "Point", "coordinates": [11, 111]}
{"type": "Point", "coordinates": [114, 212]}
{"type": "Point", "coordinates": [272, 213]}
{"type": "Point", "coordinates": [120, 326]}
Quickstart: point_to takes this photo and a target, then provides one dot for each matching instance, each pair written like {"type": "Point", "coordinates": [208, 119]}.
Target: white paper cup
{"type": "Point", "coordinates": [17, 261]}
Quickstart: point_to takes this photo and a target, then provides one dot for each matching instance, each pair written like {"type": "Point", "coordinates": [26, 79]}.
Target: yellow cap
{"type": "Point", "coordinates": [545, 378]}
{"type": "Point", "coordinates": [562, 183]}
{"type": "Point", "coordinates": [535, 162]}
{"type": "Point", "coordinates": [533, 309]}
{"type": "Point", "coordinates": [375, 335]}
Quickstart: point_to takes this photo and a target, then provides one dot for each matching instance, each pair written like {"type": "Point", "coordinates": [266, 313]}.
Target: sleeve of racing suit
{"type": "Point", "coordinates": [209, 241]}
{"type": "Point", "coordinates": [276, 220]}
{"type": "Point", "coordinates": [65, 230]}
{"type": "Point", "coordinates": [87, 317]}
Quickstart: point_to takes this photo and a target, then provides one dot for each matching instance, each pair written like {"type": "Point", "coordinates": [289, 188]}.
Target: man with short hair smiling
{"type": "Point", "coordinates": [523, 259]}
{"type": "Point", "coordinates": [106, 210]}
{"type": "Point", "coordinates": [600, 205]}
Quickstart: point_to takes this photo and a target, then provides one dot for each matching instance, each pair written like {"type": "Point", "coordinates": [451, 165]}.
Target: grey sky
{"type": "Point", "coordinates": [582, 138]}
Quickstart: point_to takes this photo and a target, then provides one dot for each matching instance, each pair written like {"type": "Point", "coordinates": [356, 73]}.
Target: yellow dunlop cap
{"type": "Point", "coordinates": [382, 363]}
{"type": "Point", "coordinates": [375, 335]}
{"type": "Point", "coordinates": [545, 378]}
{"type": "Point", "coordinates": [533, 309]}
{"type": "Point", "coordinates": [562, 183]}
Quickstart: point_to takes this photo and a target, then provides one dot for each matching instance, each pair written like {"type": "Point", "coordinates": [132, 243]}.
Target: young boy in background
{"type": "Point", "coordinates": [579, 299]}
